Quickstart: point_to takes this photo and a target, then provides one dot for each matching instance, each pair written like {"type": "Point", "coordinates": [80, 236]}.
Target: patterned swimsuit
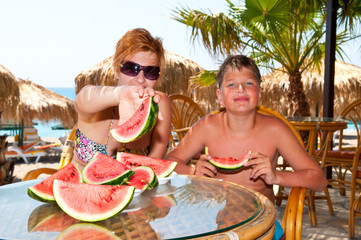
{"type": "Point", "coordinates": [85, 148]}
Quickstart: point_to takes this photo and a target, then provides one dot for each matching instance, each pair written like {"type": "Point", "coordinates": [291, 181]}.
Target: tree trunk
{"type": "Point", "coordinates": [296, 97]}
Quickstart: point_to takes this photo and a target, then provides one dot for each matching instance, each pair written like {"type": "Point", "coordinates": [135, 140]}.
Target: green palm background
{"type": "Point", "coordinates": [289, 33]}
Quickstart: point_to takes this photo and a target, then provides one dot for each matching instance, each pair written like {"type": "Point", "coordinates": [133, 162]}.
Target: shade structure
{"type": "Point", "coordinates": [9, 94]}
{"type": "Point", "coordinates": [37, 102]}
{"type": "Point", "coordinates": [347, 88]}
{"type": "Point", "coordinates": [176, 73]}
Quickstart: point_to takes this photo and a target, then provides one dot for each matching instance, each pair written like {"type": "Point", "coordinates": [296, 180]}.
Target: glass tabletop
{"type": "Point", "coordinates": [185, 207]}
{"type": "Point", "coordinates": [315, 119]}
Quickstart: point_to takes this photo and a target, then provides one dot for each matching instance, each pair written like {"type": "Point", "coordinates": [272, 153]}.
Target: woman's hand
{"type": "Point", "coordinates": [204, 167]}
{"type": "Point", "coordinates": [131, 97]}
{"type": "Point", "coordinates": [261, 167]}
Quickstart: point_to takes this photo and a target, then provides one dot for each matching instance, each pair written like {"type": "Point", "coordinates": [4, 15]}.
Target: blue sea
{"type": "Point", "coordinates": [44, 129]}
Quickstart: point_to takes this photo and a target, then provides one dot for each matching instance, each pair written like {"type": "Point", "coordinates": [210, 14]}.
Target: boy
{"type": "Point", "coordinates": [241, 129]}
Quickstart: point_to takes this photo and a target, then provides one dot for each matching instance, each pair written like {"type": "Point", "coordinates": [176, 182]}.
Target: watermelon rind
{"type": "Point", "coordinates": [43, 191]}
{"type": "Point", "coordinates": [151, 179]}
{"type": "Point", "coordinates": [87, 231]}
{"type": "Point", "coordinates": [88, 202]}
{"type": "Point", "coordinates": [103, 169]}
{"type": "Point", "coordinates": [229, 163]}
{"type": "Point", "coordinates": [150, 110]}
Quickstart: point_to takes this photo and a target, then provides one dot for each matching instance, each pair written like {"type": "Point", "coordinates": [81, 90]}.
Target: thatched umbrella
{"type": "Point", "coordinates": [347, 88]}
{"type": "Point", "coordinates": [37, 102]}
{"type": "Point", "coordinates": [176, 73]}
{"type": "Point", "coordinates": [9, 94]}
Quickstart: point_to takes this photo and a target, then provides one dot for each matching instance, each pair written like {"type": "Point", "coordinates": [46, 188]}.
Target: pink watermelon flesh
{"type": "Point", "coordinates": [86, 231]}
{"type": "Point", "coordinates": [103, 169]}
{"type": "Point", "coordinates": [162, 168]}
{"type": "Point", "coordinates": [55, 223]}
{"type": "Point", "coordinates": [164, 201]}
{"type": "Point", "coordinates": [142, 121]}
{"type": "Point", "coordinates": [229, 163]}
{"type": "Point", "coordinates": [44, 190]}
{"type": "Point", "coordinates": [91, 202]}
{"type": "Point", "coordinates": [144, 178]}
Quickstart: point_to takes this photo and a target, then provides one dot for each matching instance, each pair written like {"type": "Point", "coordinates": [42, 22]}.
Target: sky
{"type": "Point", "coordinates": [51, 41]}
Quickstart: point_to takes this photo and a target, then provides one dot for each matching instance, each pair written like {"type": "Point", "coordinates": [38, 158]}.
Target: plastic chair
{"type": "Point", "coordinates": [66, 157]}
{"type": "Point", "coordinates": [355, 202]}
{"type": "Point", "coordinates": [341, 159]}
{"type": "Point", "coordinates": [185, 113]}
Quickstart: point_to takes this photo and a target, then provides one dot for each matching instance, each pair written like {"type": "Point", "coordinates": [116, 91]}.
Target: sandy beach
{"type": "Point", "coordinates": [50, 160]}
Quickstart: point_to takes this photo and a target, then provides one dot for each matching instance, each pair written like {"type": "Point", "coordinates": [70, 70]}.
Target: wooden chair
{"type": "Point", "coordinates": [283, 165]}
{"type": "Point", "coordinates": [355, 203]}
{"type": "Point", "coordinates": [185, 113]}
{"type": "Point", "coordinates": [341, 159]}
{"type": "Point", "coordinates": [293, 215]}
{"type": "Point", "coordinates": [66, 157]}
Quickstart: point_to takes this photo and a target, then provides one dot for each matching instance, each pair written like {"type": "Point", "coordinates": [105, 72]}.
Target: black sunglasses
{"type": "Point", "coordinates": [133, 69]}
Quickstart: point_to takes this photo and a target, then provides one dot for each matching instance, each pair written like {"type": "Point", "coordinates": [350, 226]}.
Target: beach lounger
{"type": "Point", "coordinates": [17, 152]}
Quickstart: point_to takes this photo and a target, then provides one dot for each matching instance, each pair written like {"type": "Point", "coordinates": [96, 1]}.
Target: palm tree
{"type": "Point", "coordinates": [289, 33]}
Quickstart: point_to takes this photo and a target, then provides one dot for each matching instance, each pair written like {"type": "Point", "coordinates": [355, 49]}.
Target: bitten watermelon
{"type": "Point", "coordinates": [162, 168]}
{"type": "Point", "coordinates": [44, 190]}
{"type": "Point", "coordinates": [103, 169]}
{"type": "Point", "coordinates": [142, 121]}
{"type": "Point", "coordinates": [91, 202]}
{"type": "Point", "coordinates": [144, 178]}
{"type": "Point", "coordinates": [228, 163]}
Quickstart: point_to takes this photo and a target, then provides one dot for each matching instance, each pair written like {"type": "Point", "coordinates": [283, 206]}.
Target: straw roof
{"type": "Point", "coordinates": [37, 102]}
{"type": "Point", "coordinates": [9, 94]}
{"type": "Point", "coordinates": [347, 88]}
{"type": "Point", "coordinates": [176, 73]}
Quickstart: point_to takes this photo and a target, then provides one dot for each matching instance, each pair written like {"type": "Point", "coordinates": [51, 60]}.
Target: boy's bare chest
{"type": "Point", "coordinates": [227, 146]}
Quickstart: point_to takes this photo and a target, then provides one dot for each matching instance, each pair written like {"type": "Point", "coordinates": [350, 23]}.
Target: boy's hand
{"type": "Point", "coordinates": [204, 167]}
{"type": "Point", "coordinates": [261, 167]}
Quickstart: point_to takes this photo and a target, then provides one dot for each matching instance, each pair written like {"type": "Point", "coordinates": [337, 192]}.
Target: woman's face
{"type": "Point", "coordinates": [144, 58]}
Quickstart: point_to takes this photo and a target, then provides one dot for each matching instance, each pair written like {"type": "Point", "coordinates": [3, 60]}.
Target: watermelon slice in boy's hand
{"type": "Point", "coordinates": [228, 163]}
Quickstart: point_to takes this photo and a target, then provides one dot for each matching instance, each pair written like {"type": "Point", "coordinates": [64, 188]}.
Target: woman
{"type": "Point", "coordinates": [138, 61]}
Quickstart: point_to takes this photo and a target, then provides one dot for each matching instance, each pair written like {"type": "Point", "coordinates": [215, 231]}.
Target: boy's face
{"type": "Point", "coordinates": [240, 90]}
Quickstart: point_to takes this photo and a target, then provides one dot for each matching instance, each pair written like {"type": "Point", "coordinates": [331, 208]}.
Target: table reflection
{"type": "Point", "coordinates": [187, 206]}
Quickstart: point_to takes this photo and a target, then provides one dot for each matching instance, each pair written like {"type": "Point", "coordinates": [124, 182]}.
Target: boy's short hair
{"type": "Point", "coordinates": [238, 62]}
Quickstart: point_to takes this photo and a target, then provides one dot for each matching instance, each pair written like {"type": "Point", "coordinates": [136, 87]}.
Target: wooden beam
{"type": "Point", "coordinates": [328, 86]}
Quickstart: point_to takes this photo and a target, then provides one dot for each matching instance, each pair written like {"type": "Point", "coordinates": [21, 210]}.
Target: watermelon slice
{"type": "Point", "coordinates": [162, 168]}
{"type": "Point", "coordinates": [103, 169]}
{"type": "Point", "coordinates": [91, 202]}
{"type": "Point", "coordinates": [44, 190]}
{"type": "Point", "coordinates": [164, 201]}
{"type": "Point", "coordinates": [142, 121]}
{"type": "Point", "coordinates": [87, 231]}
{"type": "Point", "coordinates": [144, 178]}
{"type": "Point", "coordinates": [228, 163]}
{"type": "Point", "coordinates": [49, 218]}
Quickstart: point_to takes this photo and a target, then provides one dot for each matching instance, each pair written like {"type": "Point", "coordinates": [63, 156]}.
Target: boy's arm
{"type": "Point", "coordinates": [191, 145]}
{"type": "Point", "coordinates": [307, 172]}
